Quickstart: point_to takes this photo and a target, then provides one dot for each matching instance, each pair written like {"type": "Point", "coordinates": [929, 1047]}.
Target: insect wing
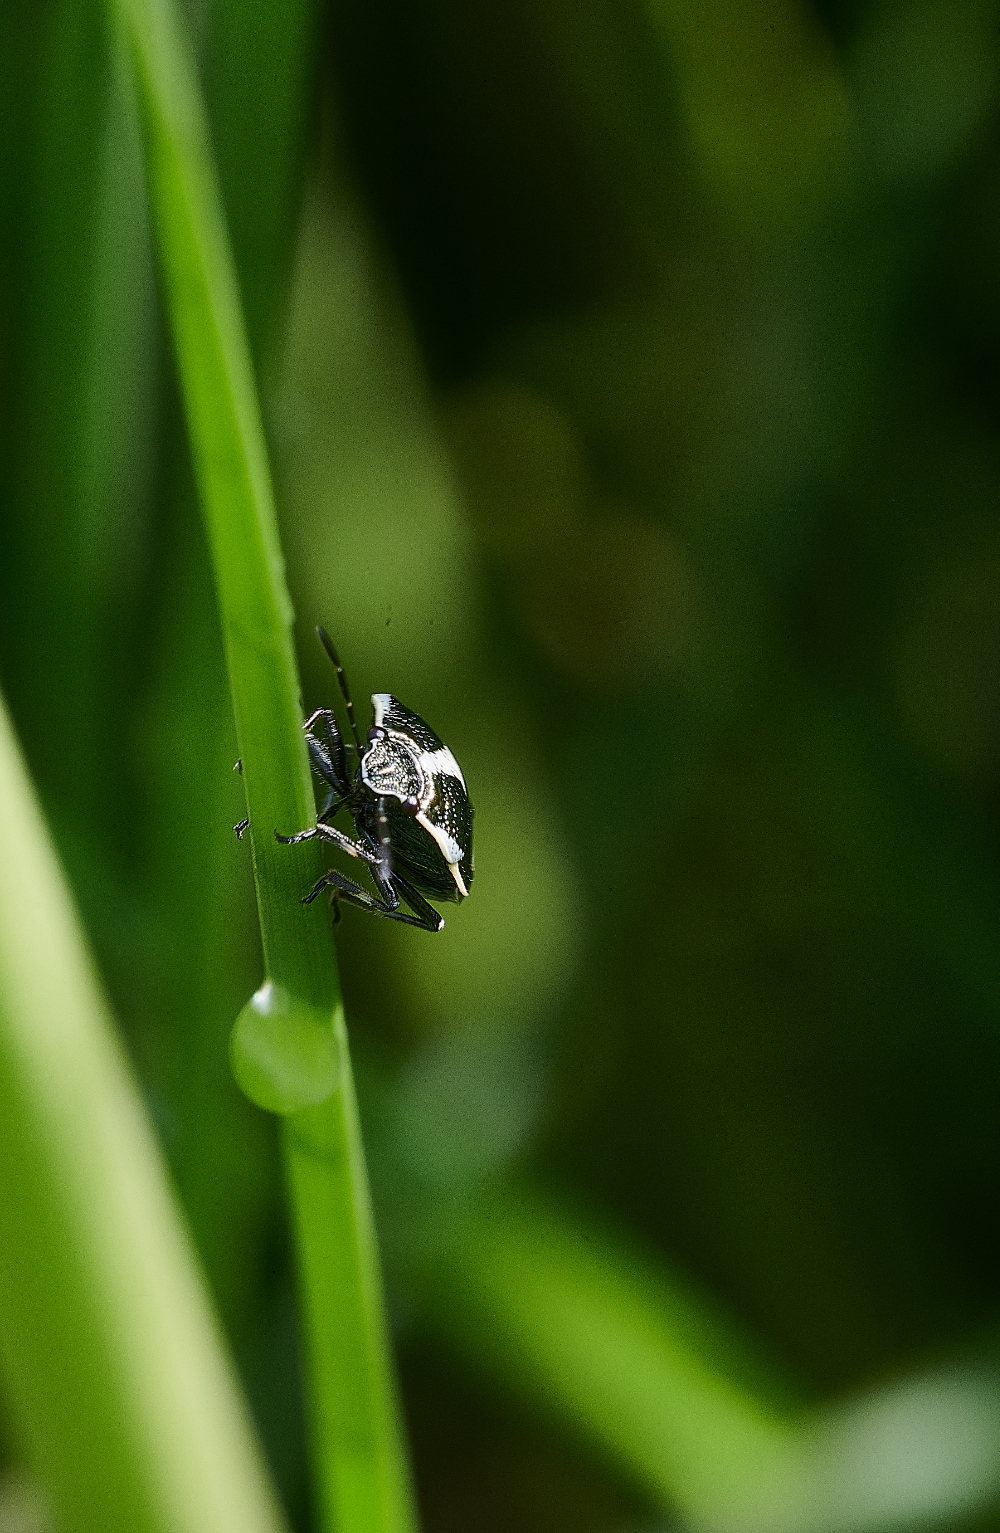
{"type": "Point", "coordinates": [445, 811]}
{"type": "Point", "coordinates": [450, 814]}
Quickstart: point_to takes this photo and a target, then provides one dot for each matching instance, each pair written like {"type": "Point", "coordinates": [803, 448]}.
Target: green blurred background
{"type": "Point", "coordinates": [631, 375]}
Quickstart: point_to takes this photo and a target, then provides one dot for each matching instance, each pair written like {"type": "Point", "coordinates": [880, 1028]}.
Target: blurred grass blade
{"type": "Point", "coordinates": [361, 1467]}
{"type": "Point", "coordinates": [573, 1322]}
{"type": "Point", "coordinates": [110, 1355]}
{"type": "Point", "coordinates": [563, 1316]}
{"type": "Point", "coordinates": [923, 1451]}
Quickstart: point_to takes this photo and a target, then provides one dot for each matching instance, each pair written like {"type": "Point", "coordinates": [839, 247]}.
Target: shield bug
{"type": "Point", "coordinates": [410, 806]}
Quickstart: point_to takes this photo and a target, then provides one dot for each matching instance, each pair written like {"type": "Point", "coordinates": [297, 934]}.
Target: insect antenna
{"type": "Point", "coordinates": [345, 691]}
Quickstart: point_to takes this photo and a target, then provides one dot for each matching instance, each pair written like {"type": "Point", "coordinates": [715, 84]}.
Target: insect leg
{"type": "Point", "coordinates": [391, 885]}
{"type": "Point", "coordinates": [430, 919]}
{"type": "Point", "coordinates": [336, 793]}
{"type": "Point", "coordinates": [241, 825]}
{"type": "Point", "coordinates": [327, 757]}
{"type": "Point", "coordinates": [350, 894]}
{"type": "Point", "coordinates": [323, 832]}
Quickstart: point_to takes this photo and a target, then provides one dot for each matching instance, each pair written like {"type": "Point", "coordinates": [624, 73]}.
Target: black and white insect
{"type": "Point", "coordinates": [409, 803]}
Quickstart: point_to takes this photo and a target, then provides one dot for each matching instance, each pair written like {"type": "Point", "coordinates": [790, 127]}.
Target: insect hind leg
{"type": "Point", "coordinates": [430, 920]}
{"type": "Point", "coordinates": [351, 894]}
{"type": "Point", "coordinates": [392, 885]}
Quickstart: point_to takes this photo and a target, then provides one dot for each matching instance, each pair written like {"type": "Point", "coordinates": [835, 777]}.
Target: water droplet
{"type": "Point", "coordinates": [285, 1053]}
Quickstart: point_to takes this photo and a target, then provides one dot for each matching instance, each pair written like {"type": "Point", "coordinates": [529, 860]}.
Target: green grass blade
{"type": "Point", "coordinates": [258, 68]}
{"type": "Point", "coordinates": [110, 1355]}
{"type": "Point", "coordinates": [578, 1326]}
{"type": "Point", "coordinates": [361, 1466]}
{"type": "Point", "coordinates": [568, 1318]}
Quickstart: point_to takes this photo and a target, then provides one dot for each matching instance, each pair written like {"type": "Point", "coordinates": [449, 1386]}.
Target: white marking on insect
{"type": "Point", "coordinates": [380, 705]}
{"type": "Point", "coordinates": [449, 848]}
{"type": "Point", "coordinates": [441, 761]}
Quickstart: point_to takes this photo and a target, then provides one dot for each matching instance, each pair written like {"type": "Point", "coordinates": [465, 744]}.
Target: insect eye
{"type": "Point", "coordinates": [410, 804]}
{"type": "Point", "coordinates": [375, 733]}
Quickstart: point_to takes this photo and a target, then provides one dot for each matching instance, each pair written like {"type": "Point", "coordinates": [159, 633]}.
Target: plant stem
{"type": "Point", "coordinates": [362, 1471]}
{"type": "Point", "coordinates": [362, 1474]}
